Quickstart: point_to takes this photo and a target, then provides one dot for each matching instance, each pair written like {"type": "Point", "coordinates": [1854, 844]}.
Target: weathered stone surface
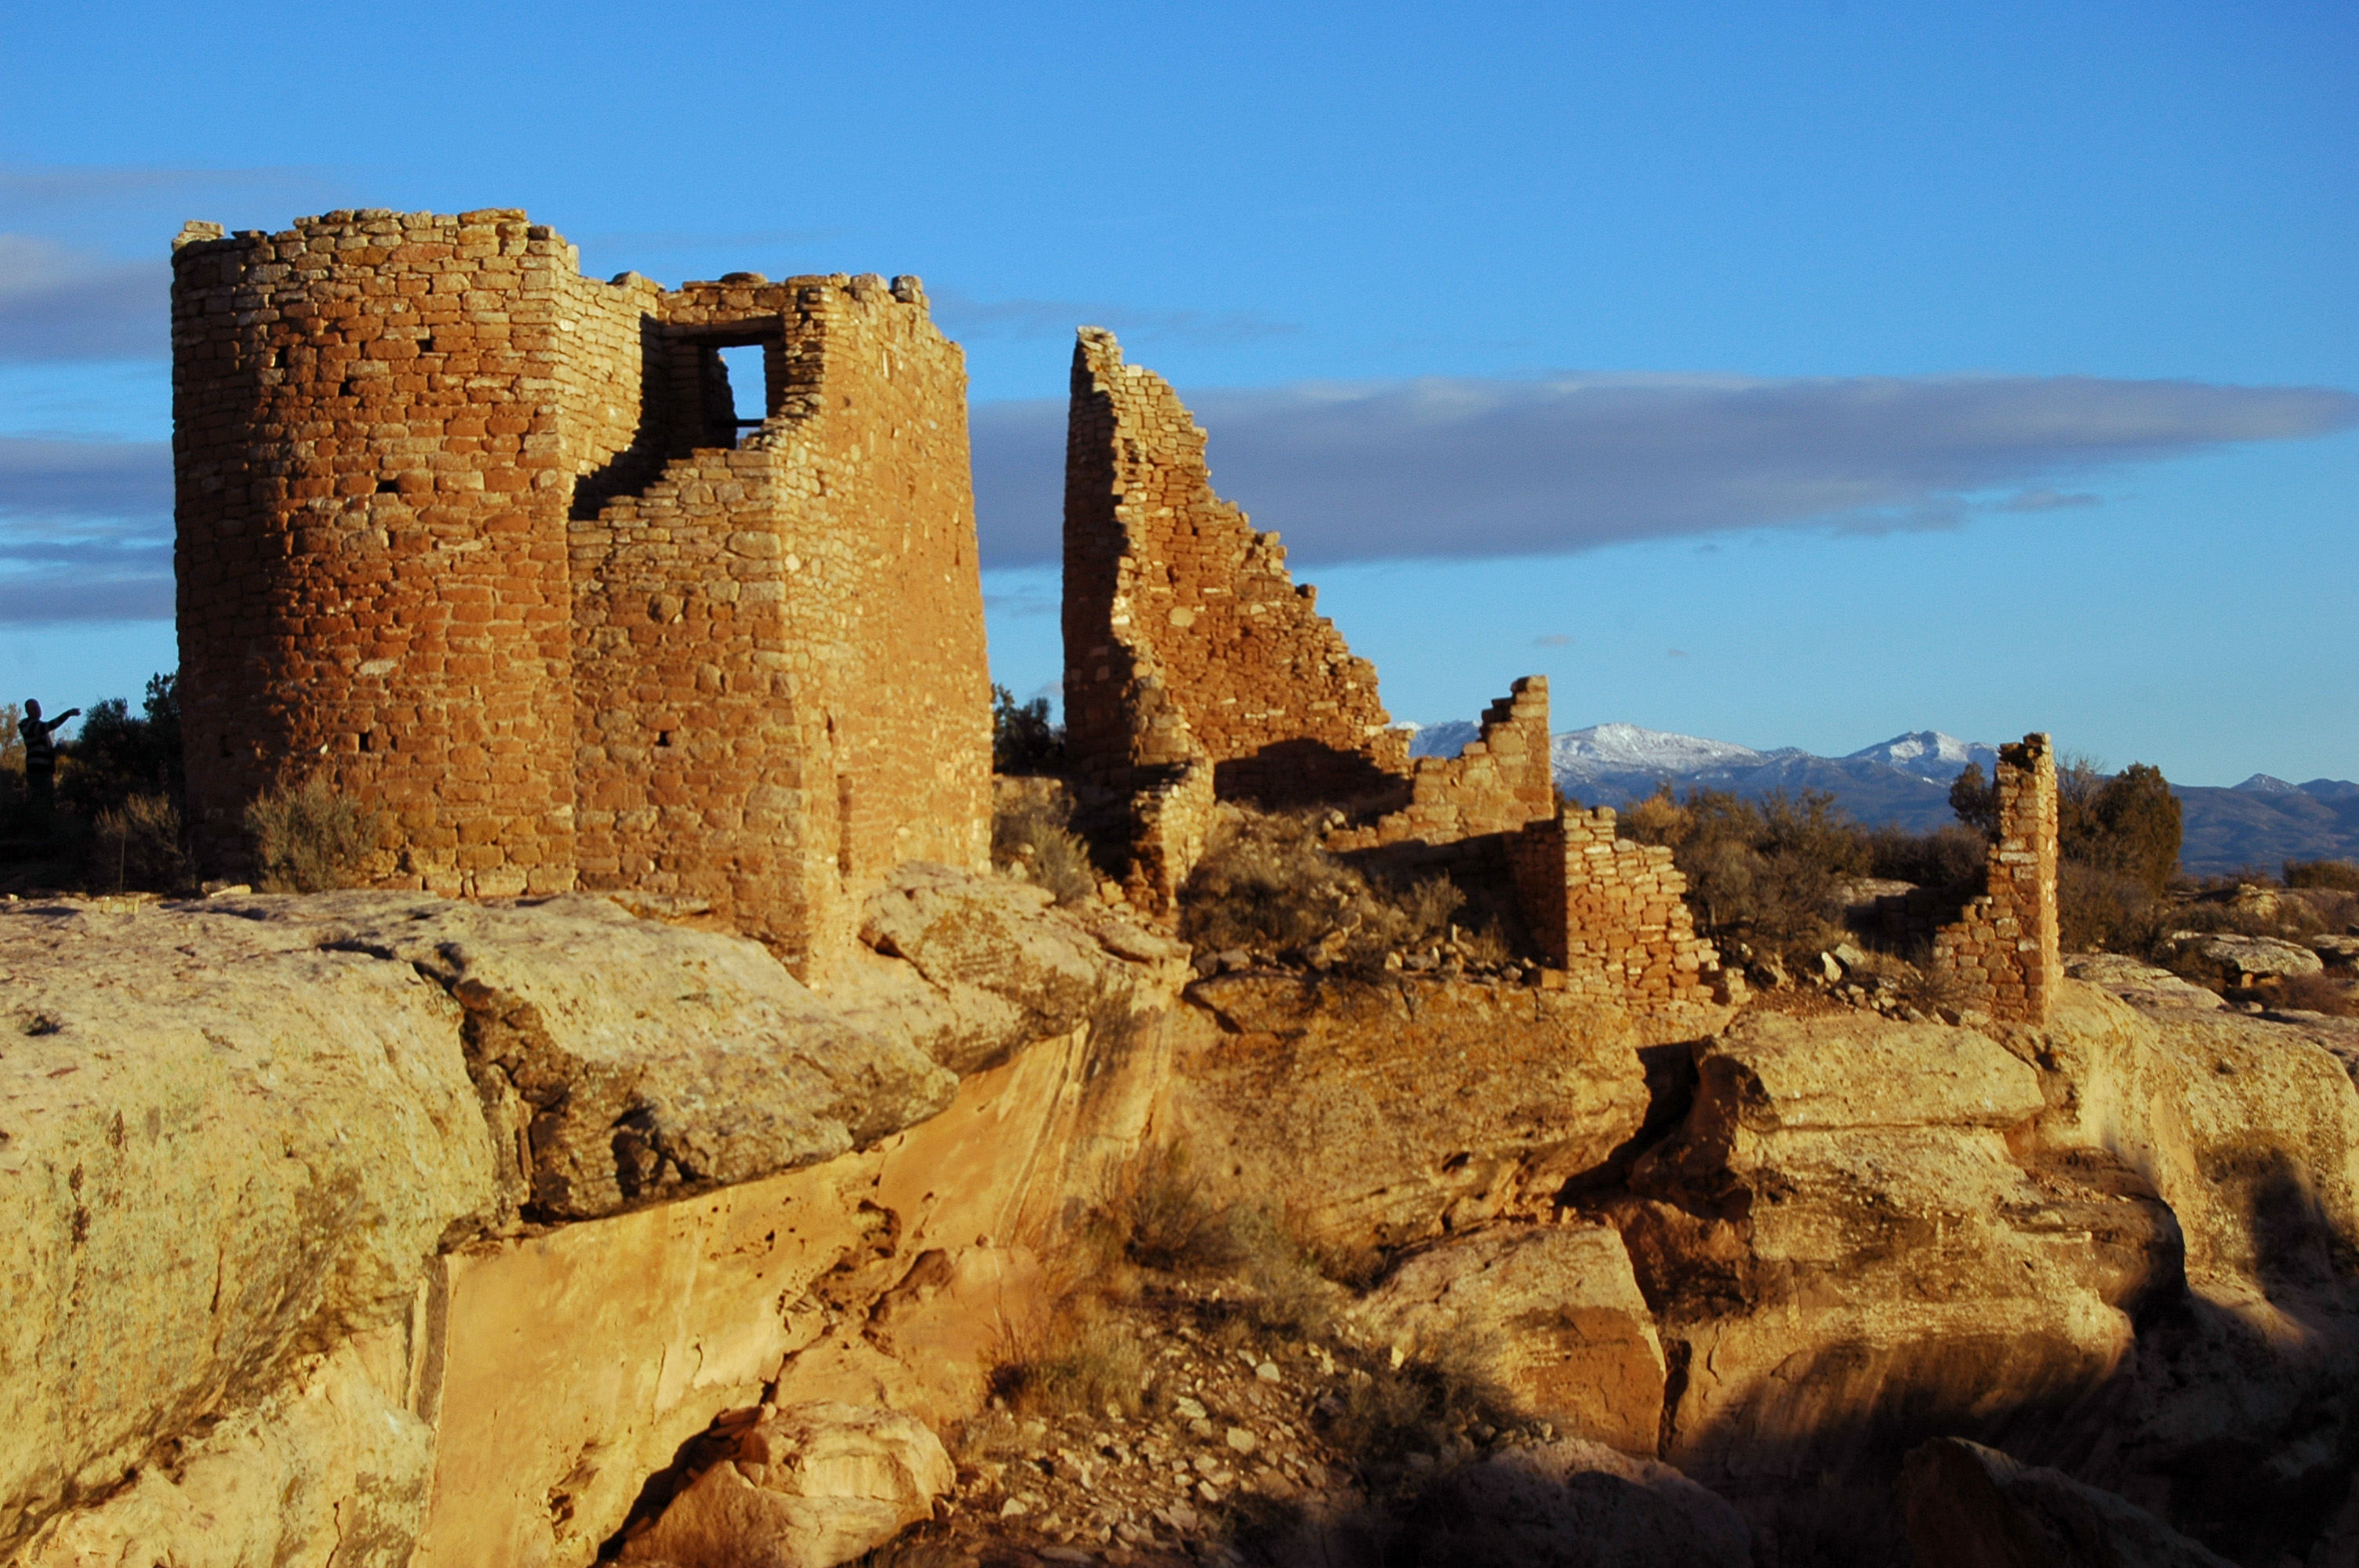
{"type": "Point", "coordinates": [1385, 1110]}
{"type": "Point", "coordinates": [2141, 985]}
{"type": "Point", "coordinates": [220, 1149]}
{"type": "Point", "coordinates": [808, 1487]}
{"type": "Point", "coordinates": [1841, 1246]}
{"type": "Point", "coordinates": [1971, 1506]}
{"type": "Point", "coordinates": [2249, 1131]}
{"type": "Point", "coordinates": [624, 1061]}
{"type": "Point", "coordinates": [2146, 1281]}
{"type": "Point", "coordinates": [2239, 959]}
{"type": "Point", "coordinates": [574, 1364]}
{"type": "Point", "coordinates": [1551, 1312]}
{"type": "Point", "coordinates": [329, 1471]}
{"type": "Point", "coordinates": [984, 965]}
{"type": "Point", "coordinates": [1575, 1505]}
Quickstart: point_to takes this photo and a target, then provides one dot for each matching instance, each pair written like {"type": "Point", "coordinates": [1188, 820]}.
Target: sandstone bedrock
{"type": "Point", "coordinates": [308, 1265]}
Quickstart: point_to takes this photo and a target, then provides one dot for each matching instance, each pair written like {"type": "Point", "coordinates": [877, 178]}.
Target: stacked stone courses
{"type": "Point", "coordinates": [1189, 648]}
{"type": "Point", "coordinates": [1612, 913]}
{"type": "Point", "coordinates": [1500, 781]}
{"type": "Point", "coordinates": [473, 537]}
{"type": "Point", "coordinates": [1185, 634]}
{"type": "Point", "coordinates": [2003, 954]}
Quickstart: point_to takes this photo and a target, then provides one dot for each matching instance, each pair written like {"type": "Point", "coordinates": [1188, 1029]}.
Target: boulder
{"type": "Point", "coordinates": [2336, 952]}
{"type": "Point", "coordinates": [2249, 1131]}
{"type": "Point", "coordinates": [1548, 1313]}
{"type": "Point", "coordinates": [330, 1469]}
{"type": "Point", "coordinates": [2239, 960]}
{"type": "Point", "coordinates": [2141, 985]}
{"type": "Point", "coordinates": [1842, 1249]}
{"type": "Point", "coordinates": [221, 1149]}
{"type": "Point", "coordinates": [1383, 1111]}
{"type": "Point", "coordinates": [1971, 1506]}
{"type": "Point", "coordinates": [1572, 1503]}
{"type": "Point", "coordinates": [807, 1486]}
{"type": "Point", "coordinates": [986, 965]}
{"type": "Point", "coordinates": [624, 1061]}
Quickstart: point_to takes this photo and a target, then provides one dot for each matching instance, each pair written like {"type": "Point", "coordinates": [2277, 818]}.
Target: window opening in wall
{"type": "Point", "coordinates": [749, 383]}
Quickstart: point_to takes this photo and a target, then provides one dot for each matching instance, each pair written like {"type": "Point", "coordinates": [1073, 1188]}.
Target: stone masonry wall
{"type": "Point", "coordinates": [2003, 954]}
{"type": "Point", "coordinates": [1184, 632]}
{"type": "Point", "coordinates": [371, 485]}
{"type": "Point", "coordinates": [461, 530]}
{"type": "Point", "coordinates": [1500, 781]}
{"type": "Point", "coordinates": [1612, 913]}
{"type": "Point", "coordinates": [799, 619]}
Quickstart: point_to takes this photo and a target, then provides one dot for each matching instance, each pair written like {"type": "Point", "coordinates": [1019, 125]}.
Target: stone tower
{"type": "Point", "coordinates": [480, 542]}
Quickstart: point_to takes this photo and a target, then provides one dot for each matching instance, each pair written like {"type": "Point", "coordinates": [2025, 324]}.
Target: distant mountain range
{"type": "Point", "coordinates": [1906, 780]}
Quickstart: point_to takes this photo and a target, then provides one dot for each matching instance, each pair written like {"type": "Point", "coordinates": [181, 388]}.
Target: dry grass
{"type": "Point", "coordinates": [2339, 874]}
{"type": "Point", "coordinates": [1420, 1404]}
{"type": "Point", "coordinates": [138, 846]}
{"type": "Point", "coordinates": [1030, 838]}
{"type": "Point", "coordinates": [1085, 1359]}
{"type": "Point", "coordinates": [1266, 883]}
{"type": "Point", "coordinates": [309, 838]}
{"type": "Point", "coordinates": [2316, 993]}
{"type": "Point", "coordinates": [1156, 1213]}
{"type": "Point", "coordinates": [2100, 911]}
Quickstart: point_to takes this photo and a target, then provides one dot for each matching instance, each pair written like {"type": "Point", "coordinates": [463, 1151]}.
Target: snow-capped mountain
{"type": "Point", "coordinates": [1928, 755]}
{"type": "Point", "coordinates": [1905, 781]}
{"type": "Point", "coordinates": [1614, 749]}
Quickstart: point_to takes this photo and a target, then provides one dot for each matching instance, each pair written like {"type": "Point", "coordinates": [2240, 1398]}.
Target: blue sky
{"type": "Point", "coordinates": [1785, 373]}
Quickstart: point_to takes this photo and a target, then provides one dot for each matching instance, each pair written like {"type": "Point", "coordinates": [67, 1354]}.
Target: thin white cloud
{"type": "Point", "coordinates": [49, 479]}
{"type": "Point", "coordinates": [85, 530]}
{"type": "Point", "coordinates": [1466, 468]}
{"type": "Point", "coordinates": [59, 303]}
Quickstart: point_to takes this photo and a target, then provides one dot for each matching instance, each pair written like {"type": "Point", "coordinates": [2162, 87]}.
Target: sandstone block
{"type": "Point", "coordinates": [1552, 1313]}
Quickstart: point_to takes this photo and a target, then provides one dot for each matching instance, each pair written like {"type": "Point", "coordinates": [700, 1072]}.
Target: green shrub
{"type": "Point", "coordinates": [138, 846]}
{"type": "Point", "coordinates": [2127, 824]}
{"type": "Point", "coordinates": [307, 838]}
{"type": "Point", "coordinates": [1023, 740]}
{"type": "Point", "coordinates": [1974, 799]}
{"type": "Point", "coordinates": [117, 754]}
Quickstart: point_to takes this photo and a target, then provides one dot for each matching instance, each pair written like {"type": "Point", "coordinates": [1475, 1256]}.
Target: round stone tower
{"type": "Point", "coordinates": [373, 484]}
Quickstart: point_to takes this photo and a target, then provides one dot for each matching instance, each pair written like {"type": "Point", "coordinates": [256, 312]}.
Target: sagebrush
{"type": "Point", "coordinates": [1030, 836]}
{"type": "Point", "coordinates": [136, 847]}
{"type": "Point", "coordinates": [307, 838]}
{"type": "Point", "coordinates": [1267, 882]}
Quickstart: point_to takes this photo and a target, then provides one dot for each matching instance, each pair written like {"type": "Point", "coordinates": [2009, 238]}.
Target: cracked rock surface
{"type": "Point", "coordinates": [624, 1061]}
{"type": "Point", "coordinates": [234, 1133]}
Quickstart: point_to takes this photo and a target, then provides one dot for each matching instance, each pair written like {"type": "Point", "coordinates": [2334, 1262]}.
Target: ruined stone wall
{"type": "Point", "coordinates": [2003, 954]}
{"type": "Point", "coordinates": [1610, 912]}
{"type": "Point", "coordinates": [1500, 781]}
{"type": "Point", "coordinates": [457, 527]}
{"type": "Point", "coordinates": [783, 686]}
{"type": "Point", "coordinates": [1184, 632]}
